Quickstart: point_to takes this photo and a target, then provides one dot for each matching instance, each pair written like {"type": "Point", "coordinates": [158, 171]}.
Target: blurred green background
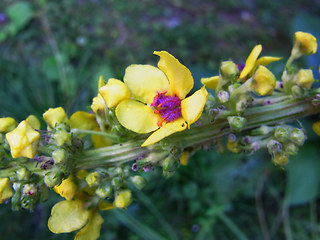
{"type": "Point", "coordinates": [52, 53]}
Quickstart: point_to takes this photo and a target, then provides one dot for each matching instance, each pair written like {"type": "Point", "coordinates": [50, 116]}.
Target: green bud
{"type": "Point", "coordinates": [297, 92]}
{"type": "Point", "coordinates": [176, 152]}
{"type": "Point", "coordinates": [15, 199]}
{"type": "Point", "coordinates": [62, 137]}
{"type": "Point", "coordinates": [23, 174]}
{"type": "Point", "coordinates": [138, 181]}
{"type": "Point", "coordinates": [116, 182]}
{"type": "Point", "coordinates": [237, 123]}
{"type": "Point", "coordinates": [291, 149]}
{"type": "Point", "coordinates": [281, 134]}
{"type": "Point", "coordinates": [93, 179]}
{"type": "Point", "coordinates": [263, 130]}
{"type": "Point", "coordinates": [241, 105]}
{"type": "Point", "coordinates": [168, 174]}
{"type": "Point", "coordinates": [228, 69]}
{"type": "Point", "coordinates": [43, 193]}
{"type": "Point", "coordinates": [104, 191]}
{"type": "Point", "coordinates": [169, 164]}
{"type": "Point", "coordinates": [59, 155]}
{"type": "Point", "coordinates": [111, 116]}
{"type": "Point", "coordinates": [52, 179]}
{"type": "Point", "coordinates": [28, 201]}
{"type": "Point", "coordinates": [297, 136]}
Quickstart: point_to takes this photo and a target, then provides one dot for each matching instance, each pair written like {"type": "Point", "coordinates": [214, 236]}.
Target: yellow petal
{"type": "Point", "coordinates": [316, 127]}
{"type": "Point", "coordinates": [144, 81]}
{"type": "Point", "coordinates": [68, 216]}
{"type": "Point", "coordinates": [33, 121]}
{"type": "Point", "coordinates": [211, 82]}
{"type": "Point", "coordinates": [98, 104]}
{"type": "Point", "coordinates": [104, 206]}
{"type": "Point", "coordinates": [137, 116]}
{"type": "Point", "coordinates": [192, 107]}
{"type": "Point", "coordinates": [55, 116]}
{"type": "Point", "coordinates": [83, 120]}
{"type": "Point", "coordinates": [184, 158]}
{"type": "Point", "coordinates": [251, 61]}
{"type": "Point", "coordinates": [266, 60]}
{"type": "Point", "coordinates": [166, 130]}
{"type": "Point", "coordinates": [6, 190]}
{"type": "Point", "coordinates": [7, 124]}
{"type": "Point", "coordinates": [114, 92]}
{"type": "Point", "coordinates": [306, 42]}
{"type": "Point", "coordinates": [92, 230]}
{"type": "Point", "coordinates": [67, 188]}
{"type": "Point", "coordinates": [123, 199]}
{"type": "Point", "coordinates": [102, 82]}
{"type": "Point", "coordinates": [264, 81]}
{"type": "Point", "coordinates": [180, 78]}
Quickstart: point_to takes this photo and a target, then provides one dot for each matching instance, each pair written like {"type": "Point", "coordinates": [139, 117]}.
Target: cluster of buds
{"type": "Point", "coordinates": [150, 120]}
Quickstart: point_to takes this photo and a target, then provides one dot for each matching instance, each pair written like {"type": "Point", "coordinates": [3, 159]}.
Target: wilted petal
{"type": "Point", "coordinates": [144, 81]}
{"type": "Point", "coordinates": [168, 129]}
{"type": "Point", "coordinates": [180, 78]}
{"type": "Point", "coordinates": [137, 116]}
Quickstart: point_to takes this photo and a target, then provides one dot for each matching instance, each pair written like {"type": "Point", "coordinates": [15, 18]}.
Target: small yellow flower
{"type": "Point", "coordinates": [184, 158]}
{"type": "Point", "coordinates": [7, 124]}
{"type": "Point", "coordinates": [123, 199]}
{"type": "Point", "coordinates": [252, 61]}
{"type": "Point", "coordinates": [23, 140]}
{"type": "Point", "coordinates": [305, 78]}
{"type": "Point", "coordinates": [158, 102]}
{"type": "Point", "coordinates": [67, 188]}
{"type": "Point", "coordinates": [316, 127]}
{"type": "Point", "coordinates": [55, 116]}
{"type": "Point", "coordinates": [210, 82]}
{"type": "Point", "coordinates": [305, 42]}
{"type": "Point", "coordinates": [264, 81]}
{"type": "Point", "coordinates": [6, 190]}
{"type": "Point", "coordinates": [33, 121]}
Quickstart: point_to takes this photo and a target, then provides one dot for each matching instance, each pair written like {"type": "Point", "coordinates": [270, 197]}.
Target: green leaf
{"type": "Point", "coordinates": [303, 176]}
{"type": "Point", "coordinates": [20, 14]}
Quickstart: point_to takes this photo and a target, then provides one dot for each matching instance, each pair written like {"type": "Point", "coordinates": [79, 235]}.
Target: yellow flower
{"type": "Point", "coordinates": [83, 120]}
{"type": "Point", "coordinates": [305, 42]}
{"type": "Point", "coordinates": [33, 121]}
{"type": "Point", "coordinates": [67, 188]}
{"type": "Point", "coordinates": [252, 61]}
{"type": "Point", "coordinates": [123, 199]}
{"type": "Point", "coordinates": [316, 127]}
{"type": "Point", "coordinates": [210, 82]}
{"type": "Point", "coordinates": [6, 190]}
{"type": "Point", "coordinates": [7, 124]}
{"type": "Point", "coordinates": [305, 78]}
{"type": "Point", "coordinates": [264, 81]}
{"type": "Point", "coordinates": [55, 116]}
{"type": "Point", "coordinates": [98, 104]}
{"type": "Point", "coordinates": [157, 98]}
{"type": "Point", "coordinates": [23, 140]}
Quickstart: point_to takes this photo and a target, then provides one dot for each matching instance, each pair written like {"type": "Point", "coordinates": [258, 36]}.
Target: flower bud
{"type": "Point", "coordinates": [223, 96]}
{"type": "Point", "coordinates": [274, 146]}
{"type": "Point", "coordinates": [33, 121]}
{"type": "Point", "coordinates": [7, 124]}
{"type": "Point", "coordinates": [123, 199]}
{"type": "Point", "coordinates": [62, 137]}
{"type": "Point", "coordinates": [264, 81]}
{"type": "Point", "coordinates": [6, 190]}
{"type": "Point", "coordinates": [296, 91]}
{"type": "Point", "coordinates": [23, 174]}
{"type": "Point", "coordinates": [305, 78]}
{"type": "Point", "coordinates": [23, 141]}
{"type": "Point", "coordinates": [59, 155]}
{"type": "Point", "coordinates": [291, 149]}
{"type": "Point", "coordinates": [241, 105]}
{"type": "Point", "coordinates": [297, 136]}
{"type": "Point", "coordinates": [81, 174]}
{"type": "Point", "coordinates": [29, 189]}
{"type": "Point", "coordinates": [237, 123]}
{"type": "Point", "coordinates": [55, 116]}
{"type": "Point", "coordinates": [280, 159]}
{"type": "Point", "coordinates": [67, 188]}
{"type": "Point", "coordinates": [52, 179]}
{"type": "Point", "coordinates": [116, 182]}
{"type": "Point", "coordinates": [281, 134]}
{"type": "Point", "coordinates": [104, 191]}
{"type": "Point", "coordinates": [305, 43]}
{"type": "Point", "coordinates": [228, 69]}
{"type": "Point", "coordinates": [316, 127]}
{"type": "Point", "coordinates": [139, 182]}
{"type": "Point", "coordinates": [263, 130]}
{"type": "Point", "coordinates": [169, 164]}
{"type": "Point", "coordinates": [93, 179]}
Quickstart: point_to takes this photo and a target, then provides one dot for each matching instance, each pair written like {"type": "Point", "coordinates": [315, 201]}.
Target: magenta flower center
{"type": "Point", "coordinates": [168, 107]}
